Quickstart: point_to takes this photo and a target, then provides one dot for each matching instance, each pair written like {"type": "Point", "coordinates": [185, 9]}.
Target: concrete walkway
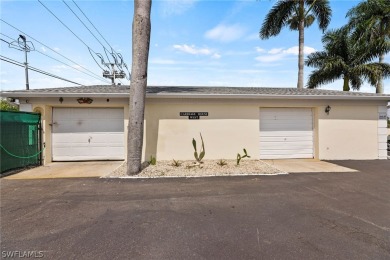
{"type": "Point", "coordinates": [307, 165]}
{"type": "Point", "coordinates": [103, 168]}
{"type": "Point", "coordinates": [68, 170]}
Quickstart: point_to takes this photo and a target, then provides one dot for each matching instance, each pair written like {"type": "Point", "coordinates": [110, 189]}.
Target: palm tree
{"type": "Point", "coordinates": [138, 84]}
{"type": "Point", "coordinates": [343, 58]}
{"type": "Point", "coordinates": [297, 14]}
{"type": "Point", "coordinates": [371, 21]}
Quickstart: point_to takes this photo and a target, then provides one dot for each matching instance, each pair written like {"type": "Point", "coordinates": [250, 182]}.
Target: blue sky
{"type": "Point", "coordinates": [193, 43]}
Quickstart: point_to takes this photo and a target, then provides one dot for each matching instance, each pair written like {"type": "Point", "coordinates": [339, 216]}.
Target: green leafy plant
{"type": "Point", "coordinates": [239, 156]}
{"type": "Point", "coordinates": [198, 157]}
{"type": "Point", "coordinates": [152, 160]}
{"type": "Point", "coordinates": [222, 163]}
{"type": "Point", "coordinates": [7, 106]}
{"type": "Point", "coordinates": [176, 163]}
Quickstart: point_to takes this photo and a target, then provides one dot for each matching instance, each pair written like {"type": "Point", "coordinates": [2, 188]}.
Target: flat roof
{"type": "Point", "coordinates": [122, 91]}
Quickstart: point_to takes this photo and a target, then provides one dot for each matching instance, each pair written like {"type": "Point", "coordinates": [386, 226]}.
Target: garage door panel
{"type": "Point", "coordinates": [287, 152]}
{"type": "Point", "coordinates": [269, 133]}
{"type": "Point", "coordinates": [88, 134]}
{"type": "Point", "coordinates": [287, 145]}
{"type": "Point", "coordinates": [286, 133]}
{"type": "Point", "coordinates": [285, 138]}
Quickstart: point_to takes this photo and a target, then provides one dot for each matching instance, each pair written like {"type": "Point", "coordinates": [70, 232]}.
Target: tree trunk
{"type": "Point", "coordinates": [346, 83]}
{"type": "Point", "coordinates": [379, 85]}
{"type": "Point", "coordinates": [138, 84]}
{"type": "Point", "coordinates": [301, 29]}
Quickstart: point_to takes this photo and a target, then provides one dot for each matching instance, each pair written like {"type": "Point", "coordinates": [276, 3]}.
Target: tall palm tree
{"type": "Point", "coordinates": [342, 58]}
{"type": "Point", "coordinates": [138, 84]}
{"type": "Point", "coordinates": [297, 14]}
{"type": "Point", "coordinates": [371, 22]}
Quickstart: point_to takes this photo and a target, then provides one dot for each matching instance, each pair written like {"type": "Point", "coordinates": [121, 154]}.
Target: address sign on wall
{"type": "Point", "coordinates": [194, 115]}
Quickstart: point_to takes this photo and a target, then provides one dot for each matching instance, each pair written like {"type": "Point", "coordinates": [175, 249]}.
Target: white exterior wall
{"type": "Point", "coordinates": [382, 132]}
{"type": "Point", "coordinates": [45, 107]}
{"type": "Point", "coordinates": [350, 131]}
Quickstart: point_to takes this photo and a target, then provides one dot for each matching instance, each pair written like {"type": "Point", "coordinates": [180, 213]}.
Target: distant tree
{"type": "Point", "coordinates": [370, 21]}
{"type": "Point", "coordinates": [342, 58]}
{"type": "Point", "coordinates": [297, 14]}
{"type": "Point", "coordinates": [139, 76]}
{"type": "Point", "coordinates": [7, 106]}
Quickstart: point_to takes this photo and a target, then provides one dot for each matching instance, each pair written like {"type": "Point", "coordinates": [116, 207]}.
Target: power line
{"type": "Point", "coordinates": [56, 60]}
{"type": "Point", "coordinates": [86, 27]}
{"type": "Point", "coordinates": [51, 49]}
{"type": "Point", "coordinates": [112, 49]}
{"type": "Point", "coordinates": [89, 48]}
{"type": "Point", "coordinates": [6, 59]}
{"type": "Point", "coordinates": [64, 24]}
{"type": "Point", "coordinates": [93, 25]}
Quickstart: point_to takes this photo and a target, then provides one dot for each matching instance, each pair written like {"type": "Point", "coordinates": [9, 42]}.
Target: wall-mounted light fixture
{"type": "Point", "coordinates": [327, 109]}
{"type": "Point", "coordinates": [85, 100]}
{"type": "Point", "coordinates": [61, 99]}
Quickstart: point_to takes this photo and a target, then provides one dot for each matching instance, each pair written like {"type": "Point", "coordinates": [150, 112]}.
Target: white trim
{"type": "Point", "coordinates": [382, 134]}
{"type": "Point", "coordinates": [201, 96]}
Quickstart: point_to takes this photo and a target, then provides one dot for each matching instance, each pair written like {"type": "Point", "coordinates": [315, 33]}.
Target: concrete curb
{"type": "Point", "coordinates": [204, 176]}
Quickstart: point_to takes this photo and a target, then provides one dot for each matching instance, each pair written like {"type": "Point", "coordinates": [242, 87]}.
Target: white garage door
{"type": "Point", "coordinates": [286, 133]}
{"type": "Point", "coordinates": [82, 134]}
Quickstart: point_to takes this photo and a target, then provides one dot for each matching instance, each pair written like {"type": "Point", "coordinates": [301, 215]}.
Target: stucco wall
{"type": "Point", "coordinates": [226, 130]}
{"type": "Point", "coordinates": [350, 131]}
{"type": "Point", "coordinates": [45, 107]}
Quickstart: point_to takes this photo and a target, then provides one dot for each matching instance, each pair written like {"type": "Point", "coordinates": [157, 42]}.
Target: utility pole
{"type": "Point", "coordinates": [114, 74]}
{"type": "Point", "coordinates": [26, 49]}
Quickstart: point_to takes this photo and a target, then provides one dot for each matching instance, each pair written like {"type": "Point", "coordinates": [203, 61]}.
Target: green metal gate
{"type": "Point", "coordinates": [20, 140]}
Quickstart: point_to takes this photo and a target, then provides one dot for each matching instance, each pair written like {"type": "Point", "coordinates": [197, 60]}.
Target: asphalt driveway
{"type": "Point", "coordinates": [298, 216]}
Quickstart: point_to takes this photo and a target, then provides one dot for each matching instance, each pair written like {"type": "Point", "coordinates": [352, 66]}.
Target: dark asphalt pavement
{"type": "Point", "coordinates": [296, 216]}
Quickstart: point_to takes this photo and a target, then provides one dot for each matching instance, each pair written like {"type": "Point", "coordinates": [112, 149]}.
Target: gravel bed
{"type": "Point", "coordinates": [208, 168]}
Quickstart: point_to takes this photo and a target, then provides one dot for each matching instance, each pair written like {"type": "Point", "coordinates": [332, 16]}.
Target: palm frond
{"type": "Point", "coordinates": [322, 76]}
{"type": "Point", "coordinates": [322, 11]}
{"type": "Point", "coordinates": [277, 18]}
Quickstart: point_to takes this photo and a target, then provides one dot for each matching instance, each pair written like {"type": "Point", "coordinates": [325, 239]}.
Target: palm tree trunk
{"type": "Point", "coordinates": [301, 29]}
{"type": "Point", "coordinates": [346, 83]}
{"type": "Point", "coordinates": [379, 86]}
{"type": "Point", "coordinates": [139, 70]}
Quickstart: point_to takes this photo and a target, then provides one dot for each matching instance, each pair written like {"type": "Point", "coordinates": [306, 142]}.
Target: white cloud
{"type": "Point", "coordinates": [260, 50]}
{"type": "Point", "coordinates": [216, 56]}
{"type": "Point", "coordinates": [225, 33]}
{"type": "Point", "coordinates": [176, 7]}
{"type": "Point", "coordinates": [56, 49]}
{"type": "Point", "coordinates": [277, 54]}
{"type": "Point", "coordinates": [295, 50]}
{"type": "Point", "coordinates": [192, 49]}
{"type": "Point", "coordinates": [43, 49]}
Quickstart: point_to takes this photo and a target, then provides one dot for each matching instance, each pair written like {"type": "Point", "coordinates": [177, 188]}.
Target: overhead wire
{"type": "Point", "coordinates": [104, 48]}
{"type": "Point", "coordinates": [9, 60]}
{"type": "Point", "coordinates": [89, 48]}
{"type": "Point", "coordinates": [91, 75]}
{"type": "Point", "coordinates": [51, 50]}
{"type": "Point", "coordinates": [112, 49]}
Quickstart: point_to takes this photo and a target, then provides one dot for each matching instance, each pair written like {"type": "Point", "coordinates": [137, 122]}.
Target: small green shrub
{"type": "Point", "coordinates": [152, 160]}
{"type": "Point", "coordinates": [222, 163]}
{"type": "Point", "coordinates": [198, 157]}
{"type": "Point", "coordinates": [239, 156]}
{"type": "Point", "coordinates": [176, 163]}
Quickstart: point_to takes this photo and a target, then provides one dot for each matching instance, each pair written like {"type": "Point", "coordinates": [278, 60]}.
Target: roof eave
{"type": "Point", "coordinates": [192, 96]}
